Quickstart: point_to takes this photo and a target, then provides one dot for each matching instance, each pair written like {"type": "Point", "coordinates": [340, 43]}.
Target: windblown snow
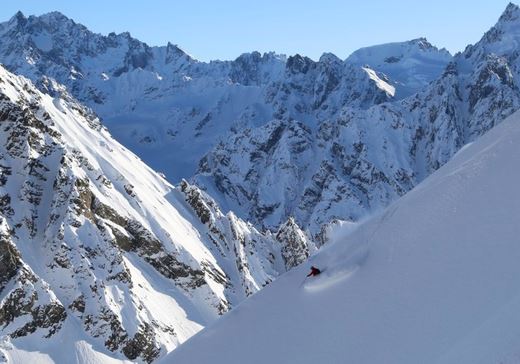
{"type": "Point", "coordinates": [433, 279]}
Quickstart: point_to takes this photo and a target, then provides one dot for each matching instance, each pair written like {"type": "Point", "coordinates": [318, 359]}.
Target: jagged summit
{"type": "Point", "coordinates": [53, 17]}
{"type": "Point", "coordinates": [504, 37]}
{"type": "Point", "coordinates": [54, 21]}
{"type": "Point", "coordinates": [17, 19]}
{"type": "Point", "coordinates": [510, 14]}
{"type": "Point", "coordinates": [328, 57]}
{"type": "Point", "coordinates": [17, 16]}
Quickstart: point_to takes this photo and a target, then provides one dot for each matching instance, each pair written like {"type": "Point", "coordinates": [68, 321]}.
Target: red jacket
{"type": "Point", "coordinates": [314, 272]}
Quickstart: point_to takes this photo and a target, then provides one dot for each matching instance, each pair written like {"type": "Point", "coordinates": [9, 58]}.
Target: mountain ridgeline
{"type": "Point", "coordinates": [153, 99]}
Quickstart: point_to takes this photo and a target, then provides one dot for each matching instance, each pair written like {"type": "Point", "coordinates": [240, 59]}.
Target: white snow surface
{"type": "Point", "coordinates": [389, 89]}
{"type": "Point", "coordinates": [433, 279]}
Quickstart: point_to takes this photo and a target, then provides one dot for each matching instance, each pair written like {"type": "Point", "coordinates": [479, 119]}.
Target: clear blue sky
{"type": "Point", "coordinates": [212, 29]}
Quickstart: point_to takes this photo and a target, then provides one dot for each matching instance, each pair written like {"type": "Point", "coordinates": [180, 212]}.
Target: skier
{"type": "Point", "coordinates": [314, 271]}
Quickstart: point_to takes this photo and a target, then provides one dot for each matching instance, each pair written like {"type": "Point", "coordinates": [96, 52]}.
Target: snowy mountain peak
{"type": "Point", "coordinates": [18, 18]}
{"type": "Point", "coordinates": [510, 14]}
{"type": "Point", "coordinates": [329, 58]}
{"type": "Point", "coordinates": [409, 65]}
{"type": "Point", "coordinates": [504, 37]}
{"type": "Point", "coordinates": [395, 52]}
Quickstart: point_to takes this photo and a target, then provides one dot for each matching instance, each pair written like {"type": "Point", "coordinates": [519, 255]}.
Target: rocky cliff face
{"type": "Point", "coordinates": [296, 245]}
{"type": "Point", "coordinates": [360, 159]}
{"type": "Point", "coordinates": [96, 247]}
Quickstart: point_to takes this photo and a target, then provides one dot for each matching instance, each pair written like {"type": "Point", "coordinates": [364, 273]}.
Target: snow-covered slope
{"type": "Point", "coordinates": [153, 99]}
{"type": "Point", "coordinates": [432, 280]}
{"type": "Point", "coordinates": [409, 65]}
{"type": "Point", "coordinates": [101, 258]}
{"type": "Point", "coordinates": [358, 160]}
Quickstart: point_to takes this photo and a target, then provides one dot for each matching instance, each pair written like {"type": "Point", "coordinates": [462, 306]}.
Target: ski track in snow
{"type": "Point", "coordinates": [338, 271]}
{"type": "Point", "coordinates": [327, 279]}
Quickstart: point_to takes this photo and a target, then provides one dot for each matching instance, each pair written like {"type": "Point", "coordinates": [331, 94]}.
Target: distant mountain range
{"type": "Point", "coordinates": [356, 160]}
{"type": "Point", "coordinates": [156, 99]}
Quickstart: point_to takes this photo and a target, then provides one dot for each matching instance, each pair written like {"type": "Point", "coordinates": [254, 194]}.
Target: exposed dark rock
{"type": "Point", "coordinates": [295, 245]}
{"type": "Point", "coordinates": [142, 345]}
{"type": "Point", "coordinates": [10, 261]}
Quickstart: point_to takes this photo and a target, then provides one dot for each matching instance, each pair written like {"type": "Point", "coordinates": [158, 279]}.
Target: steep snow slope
{"type": "Point", "coordinates": [153, 99]}
{"type": "Point", "coordinates": [99, 256]}
{"type": "Point", "coordinates": [433, 279]}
